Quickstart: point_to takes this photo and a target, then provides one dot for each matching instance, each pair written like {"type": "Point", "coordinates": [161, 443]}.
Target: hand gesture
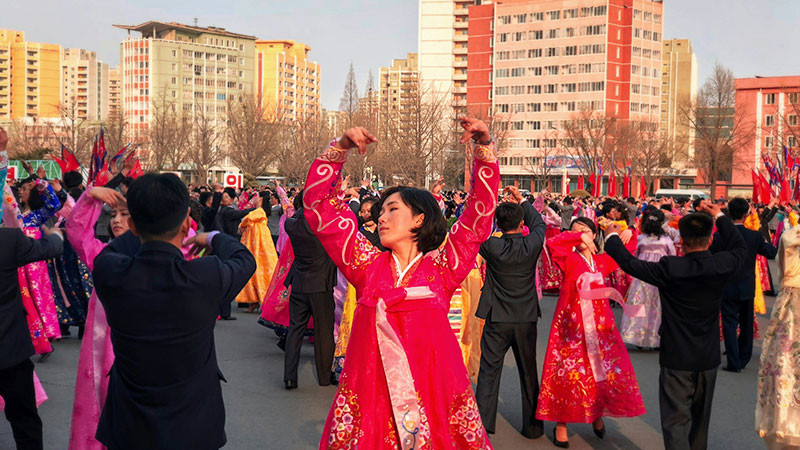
{"type": "Point", "coordinates": [513, 193]}
{"type": "Point", "coordinates": [41, 173]}
{"type": "Point", "coordinates": [3, 139]}
{"type": "Point", "coordinates": [625, 235]}
{"type": "Point", "coordinates": [710, 208]}
{"type": "Point", "coordinates": [437, 188]}
{"type": "Point", "coordinates": [357, 137]}
{"type": "Point", "coordinates": [588, 242]}
{"type": "Point", "coordinates": [474, 129]}
{"type": "Point", "coordinates": [27, 166]}
{"type": "Point", "coordinates": [277, 183]}
{"type": "Point", "coordinates": [346, 183]}
{"type": "Point", "coordinates": [613, 227]}
{"type": "Point", "coordinates": [128, 165]}
{"type": "Point", "coordinates": [198, 242]}
{"type": "Point", "coordinates": [457, 198]}
{"type": "Point", "coordinates": [108, 196]}
{"type": "Point", "coordinates": [56, 184]}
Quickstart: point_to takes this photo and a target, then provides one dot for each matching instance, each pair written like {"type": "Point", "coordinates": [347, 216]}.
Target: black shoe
{"type": "Point", "coordinates": [290, 384]}
{"type": "Point", "coordinates": [601, 433]}
{"type": "Point", "coordinates": [731, 369]}
{"type": "Point", "coordinates": [44, 356]}
{"type": "Point", "coordinates": [528, 434]}
{"type": "Point", "coordinates": [557, 443]}
{"type": "Point", "coordinates": [334, 380]}
{"type": "Point", "coordinates": [282, 343]}
{"type": "Point", "coordinates": [228, 318]}
{"type": "Point", "coordinates": [81, 330]}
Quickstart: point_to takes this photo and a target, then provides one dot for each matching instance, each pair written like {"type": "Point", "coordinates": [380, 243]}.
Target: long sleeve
{"type": "Point", "coordinates": [654, 273]}
{"type": "Point", "coordinates": [80, 228]}
{"type": "Point", "coordinates": [535, 223]}
{"type": "Point", "coordinates": [474, 226]}
{"type": "Point", "coordinates": [288, 207]}
{"type": "Point", "coordinates": [732, 248]}
{"type": "Point", "coordinates": [28, 250]}
{"type": "Point", "coordinates": [562, 244]}
{"type": "Point", "coordinates": [332, 221]}
{"type": "Point", "coordinates": [43, 214]}
{"type": "Point", "coordinates": [767, 250]}
{"type": "Point", "coordinates": [237, 264]}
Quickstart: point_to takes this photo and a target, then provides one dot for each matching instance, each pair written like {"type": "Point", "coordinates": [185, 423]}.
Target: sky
{"type": "Point", "coordinates": [751, 37]}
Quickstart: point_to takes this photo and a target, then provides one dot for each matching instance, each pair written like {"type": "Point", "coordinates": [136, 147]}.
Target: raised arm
{"type": "Point", "coordinates": [562, 245]}
{"type": "Point", "coordinates": [51, 205]}
{"type": "Point", "coordinates": [457, 257]}
{"type": "Point", "coordinates": [80, 228]}
{"type": "Point", "coordinates": [535, 223]}
{"type": "Point", "coordinates": [332, 221]}
{"type": "Point", "coordinates": [286, 204]}
{"type": "Point", "coordinates": [653, 273]}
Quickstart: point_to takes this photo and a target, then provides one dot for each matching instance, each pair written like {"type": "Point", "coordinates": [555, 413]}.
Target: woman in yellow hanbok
{"type": "Point", "coordinates": [257, 239]}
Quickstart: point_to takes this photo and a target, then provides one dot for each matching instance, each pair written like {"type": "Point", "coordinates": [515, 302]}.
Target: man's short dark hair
{"type": "Point", "coordinates": [431, 234]}
{"type": "Point", "coordinates": [158, 203]}
{"type": "Point", "coordinates": [696, 229]}
{"type": "Point", "coordinates": [738, 208]}
{"type": "Point", "coordinates": [666, 207]}
{"type": "Point", "coordinates": [230, 191]}
{"type": "Point", "coordinates": [204, 196]}
{"type": "Point", "coordinates": [72, 179]}
{"type": "Point", "coordinates": [508, 216]}
{"type": "Point", "coordinates": [696, 203]}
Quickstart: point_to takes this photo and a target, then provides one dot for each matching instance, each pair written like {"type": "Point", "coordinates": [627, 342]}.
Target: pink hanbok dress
{"type": "Point", "coordinates": [405, 384]}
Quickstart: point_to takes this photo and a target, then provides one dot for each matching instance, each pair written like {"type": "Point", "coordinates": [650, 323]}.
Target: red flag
{"type": "Point", "coordinates": [612, 184]}
{"type": "Point", "coordinates": [756, 186]}
{"type": "Point", "coordinates": [136, 170]}
{"type": "Point", "coordinates": [785, 190]}
{"type": "Point", "coordinates": [796, 193]}
{"type": "Point", "coordinates": [766, 189]}
{"type": "Point", "coordinates": [593, 182]}
{"type": "Point", "coordinates": [626, 186]}
{"type": "Point", "coordinates": [642, 188]}
{"type": "Point", "coordinates": [580, 182]}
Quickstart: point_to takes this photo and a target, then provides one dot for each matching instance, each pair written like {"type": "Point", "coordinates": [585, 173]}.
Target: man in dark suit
{"type": "Point", "coordinates": [737, 301]}
{"type": "Point", "coordinates": [510, 306]}
{"type": "Point", "coordinates": [691, 288]}
{"type": "Point", "coordinates": [164, 389]}
{"type": "Point", "coordinates": [312, 278]}
{"type": "Point", "coordinates": [16, 368]}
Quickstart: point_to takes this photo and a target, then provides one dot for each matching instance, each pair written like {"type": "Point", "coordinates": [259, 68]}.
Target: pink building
{"type": "Point", "coordinates": [540, 63]}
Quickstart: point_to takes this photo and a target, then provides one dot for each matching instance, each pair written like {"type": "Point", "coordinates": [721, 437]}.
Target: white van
{"type": "Point", "coordinates": [680, 194]}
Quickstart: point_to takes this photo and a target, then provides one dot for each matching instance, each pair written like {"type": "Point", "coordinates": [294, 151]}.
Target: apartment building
{"type": "Point", "coordinates": [678, 89]}
{"type": "Point", "coordinates": [397, 88]}
{"type": "Point", "coordinates": [30, 77]}
{"type": "Point", "coordinates": [199, 69]}
{"type": "Point", "coordinates": [442, 46]}
{"type": "Point", "coordinates": [114, 92]}
{"type": "Point", "coordinates": [286, 81]}
{"type": "Point", "coordinates": [541, 63]}
{"type": "Point", "coordinates": [85, 84]}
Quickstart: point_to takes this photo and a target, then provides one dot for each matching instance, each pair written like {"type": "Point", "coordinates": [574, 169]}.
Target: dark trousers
{"type": "Point", "coordinates": [497, 338]}
{"type": "Point", "coordinates": [302, 307]}
{"type": "Point", "coordinates": [684, 398]}
{"type": "Point", "coordinates": [225, 307]}
{"type": "Point", "coordinates": [16, 388]}
{"type": "Point", "coordinates": [738, 314]}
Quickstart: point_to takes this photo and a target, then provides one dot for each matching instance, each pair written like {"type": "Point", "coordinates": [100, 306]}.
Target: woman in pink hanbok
{"type": "Point", "coordinates": [405, 384]}
{"type": "Point", "coordinates": [97, 354]}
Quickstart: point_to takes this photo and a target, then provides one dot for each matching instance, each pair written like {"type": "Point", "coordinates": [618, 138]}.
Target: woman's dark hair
{"type": "Point", "coordinates": [554, 206]}
{"type": "Point", "coordinates": [35, 200]}
{"type": "Point", "coordinates": [298, 200]}
{"type": "Point", "coordinates": [585, 221]}
{"type": "Point", "coordinates": [158, 204]}
{"type": "Point", "coordinates": [428, 236]}
{"type": "Point", "coordinates": [567, 200]}
{"type": "Point", "coordinates": [653, 223]}
{"type": "Point", "coordinates": [508, 216]}
{"type": "Point", "coordinates": [72, 179]}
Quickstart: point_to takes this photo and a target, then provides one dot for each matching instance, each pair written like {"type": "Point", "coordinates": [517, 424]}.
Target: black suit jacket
{"type": "Point", "coordinates": [691, 290]}
{"type": "Point", "coordinates": [509, 293]}
{"type": "Point", "coordinates": [164, 391]}
{"type": "Point", "coordinates": [228, 219]}
{"type": "Point", "coordinates": [743, 284]}
{"type": "Point", "coordinates": [16, 250]}
{"type": "Point", "coordinates": [312, 270]}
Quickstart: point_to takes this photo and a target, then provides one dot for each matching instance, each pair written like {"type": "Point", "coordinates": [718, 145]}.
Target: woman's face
{"type": "Point", "coordinates": [25, 192]}
{"type": "Point", "coordinates": [396, 221]}
{"type": "Point", "coordinates": [578, 226]}
{"type": "Point", "coordinates": [119, 220]}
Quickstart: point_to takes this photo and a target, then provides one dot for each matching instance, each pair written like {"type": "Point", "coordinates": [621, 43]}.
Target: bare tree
{"type": "Point", "coordinates": [499, 126]}
{"type": "Point", "coordinates": [648, 150]}
{"type": "Point", "coordinates": [205, 138]}
{"type": "Point", "coordinates": [586, 139]}
{"type": "Point", "coordinates": [116, 132]}
{"type": "Point", "coordinates": [538, 165]}
{"type": "Point", "coordinates": [30, 140]}
{"type": "Point", "coordinates": [167, 135]}
{"type": "Point", "coordinates": [74, 131]}
{"type": "Point", "coordinates": [348, 105]}
{"type": "Point", "coordinates": [301, 144]}
{"type": "Point", "coordinates": [719, 128]}
{"type": "Point", "coordinates": [254, 132]}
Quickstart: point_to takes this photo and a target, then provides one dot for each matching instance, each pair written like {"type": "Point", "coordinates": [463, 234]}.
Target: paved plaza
{"type": "Point", "coordinates": [261, 414]}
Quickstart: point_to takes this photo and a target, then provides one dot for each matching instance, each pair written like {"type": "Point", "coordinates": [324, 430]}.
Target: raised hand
{"type": "Point", "coordinates": [27, 166]}
{"type": "Point", "coordinates": [710, 208]}
{"type": "Point", "coordinates": [198, 242]}
{"type": "Point", "coordinates": [588, 242]}
{"type": "Point", "coordinates": [128, 165]}
{"type": "Point", "coordinates": [41, 173]}
{"type": "Point", "coordinates": [437, 188]}
{"type": "Point", "coordinates": [108, 196]}
{"type": "Point", "coordinates": [357, 137]}
{"type": "Point", "coordinates": [513, 192]}
{"type": "Point", "coordinates": [474, 129]}
{"type": "Point", "coordinates": [56, 184]}
{"type": "Point", "coordinates": [613, 228]}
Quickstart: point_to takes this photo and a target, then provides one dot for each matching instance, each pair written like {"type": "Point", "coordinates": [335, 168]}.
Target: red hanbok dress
{"type": "Point", "coordinates": [587, 372]}
{"type": "Point", "coordinates": [405, 384]}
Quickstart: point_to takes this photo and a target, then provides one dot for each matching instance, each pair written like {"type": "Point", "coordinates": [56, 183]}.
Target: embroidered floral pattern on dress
{"type": "Point", "coordinates": [346, 419]}
{"type": "Point", "coordinates": [466, 428]}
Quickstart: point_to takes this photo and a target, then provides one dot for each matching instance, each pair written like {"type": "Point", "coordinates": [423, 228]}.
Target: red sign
{"type": "Point", "coordinates": [12, 173]}
{"type": "Point", "coordinates": [233, 180]}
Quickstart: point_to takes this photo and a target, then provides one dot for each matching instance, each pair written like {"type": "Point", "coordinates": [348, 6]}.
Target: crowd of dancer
{"type": "Point", "coordinates": [410, 296]}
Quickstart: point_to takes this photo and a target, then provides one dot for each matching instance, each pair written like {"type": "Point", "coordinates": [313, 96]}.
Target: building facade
{"type": "Point", "coordinates": [30, 77]}
{"type": "Point", "coordinates": [678, 89]}
{"type": "Point", "coordinates": [287, 83]}
{"type": "Point", "coordinates": [398, 86]}
{"type": "Point", "coordinates": [85, 85]}
{"type": "Point", "coordinates": [768, 115]}
{"type": "Point", "coordinates": [198, 69]}
{"type": "Point", "coordinates": [114, 92]}
{"type": "Point", "coordinates": [442, 46]}
{"type": "Point", "coordinates": [539, 64]}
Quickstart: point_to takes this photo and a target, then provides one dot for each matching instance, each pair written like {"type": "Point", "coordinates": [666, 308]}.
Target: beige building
{"type": "Point", "coordinates": [396, 88]}
{"type": "Point", "coordinates": [442, 45]}
{"type": "Point", "coordinates": [114, 92]}
{"type": "Point", "coordinates": [30, 77]}
{"type": "Point", "coordinates": [286, 80]}
{"type": "Point", "coordinates": [84, 84]}
{"type": "Point", "coordinates": [678, 87]}
{"type": "Point", "coordinates": [198, 68]}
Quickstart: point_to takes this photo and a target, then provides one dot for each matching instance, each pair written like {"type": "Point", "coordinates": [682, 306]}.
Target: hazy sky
{"type": "Point", "coordinates": [751, 37]}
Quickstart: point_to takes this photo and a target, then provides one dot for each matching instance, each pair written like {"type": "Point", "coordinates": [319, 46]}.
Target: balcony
{"type": "Point", "coordinates": [460, 50]}
{"type": "Point", "coordinates": [459, 102]}
{"type": "Point", "coordinates": [460, 76]}
{"type": "Point", "coordinates": [460, 24]}
{"type": "Point", "coordinates": [460, 63]}
{"type": "Point", "coordinates": [461, 37]}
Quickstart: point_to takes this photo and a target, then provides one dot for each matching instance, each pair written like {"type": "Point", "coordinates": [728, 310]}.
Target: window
{"type": "Point", "coordinates": [550, 88]}
{"type": "Point", "coordinates": [505, 20]}
{"type": "Point", "coordinates": [551, 52]}
{"type": "Point", "coordinates": [174, 80]}
{"type": "Point", "coordinates": [768, 141]}
{"type": "Point", "coordinates": [769, 120]}
{"type": "Point", "coordinates": [537, 17]}
{"type": "Point", "coordinates": [551, 70]}
{"type": "Point", "coordinates": [534, 89]}
{"type": "Point", "coordinates": [791, 141]}
{"type": "Point", "coordinates": [792, 119]}
{"type": "Point", "coordinates": [533, 107]}
{"type": "Point", "coordinates": [569, 87]}
{"type": "Point", "coordinates": [553, 15]}
{"type": "Point", "coordinates": [793, 98]}
{"type": "Point", "coordinates": [571, 13]}
{"type": "Point", "coordinates": [535, 34]}
{"type": "Point", "coordinates": [520, 18]}
{"type": "Point", "coordinates": [769, 99]}
{"type": "Point", "coordinates": [174, 53]}
{"type": "Point", "coordinates": [501, 73]}
{"type": "Point", "coordinates": [534, 71]}
{"type": "Point", "coordinates": [551, 107]}
{"type": "Point", "coordinates": [571, 50]}
{"type": "Point", "coordinates": [502, 37]}
{"type": "Point", "coordinates": [518, 36]}
{"type": "Point", "coordinates": [534, 53]}
{"type": "Point", "coordinates": [501, 90]}
{"type": "Point", "coordinates": [518, 72]}
{"type": "Point", "coordinates": [570, 32]}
